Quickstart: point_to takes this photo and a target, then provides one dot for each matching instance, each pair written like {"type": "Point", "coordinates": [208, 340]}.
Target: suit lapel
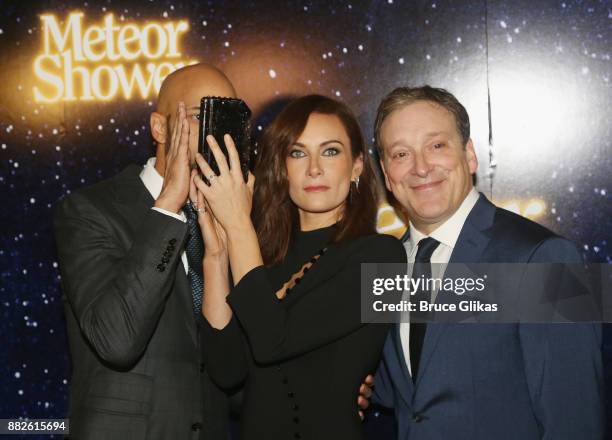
{"type": "Point", "coordinates": [134, 201]}
{"type": "Point", "coordinates": [470, 246]}
{"type": "Point", "coordinates": [399, 370]}
{"type": "Point", "coordinates": [131, 193]}
{"type": "Point", "coordinates": [183, 288]}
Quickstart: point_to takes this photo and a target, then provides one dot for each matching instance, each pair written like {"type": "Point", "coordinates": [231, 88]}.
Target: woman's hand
{"type": "Point", "coordinates": [213, 234]}
{"type": "Point", "coordinates": [227, 195]}
{"type": "Point", "coordinates": [230, 200]}
{"type": "Point", "coordinates": [216, 261]}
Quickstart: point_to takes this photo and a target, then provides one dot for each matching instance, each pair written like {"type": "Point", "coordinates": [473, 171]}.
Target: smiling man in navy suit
{"type": "Point", "coordinates": [475, 381]}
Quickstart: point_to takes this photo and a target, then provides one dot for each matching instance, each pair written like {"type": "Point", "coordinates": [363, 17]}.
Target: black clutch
{"type": "Point", "coordinates": [220, 116]}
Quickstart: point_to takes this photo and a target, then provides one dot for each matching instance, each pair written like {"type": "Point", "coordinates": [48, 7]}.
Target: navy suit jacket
{"type": "Point", "coordinates": [499, 381]}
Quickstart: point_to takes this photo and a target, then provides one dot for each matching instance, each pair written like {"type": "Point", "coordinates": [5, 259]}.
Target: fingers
{"type": "Point", "coordinates": [174, 138]}
{"type": "Point", "coordinates": [183, 142]}
{"type": "Point", "coordinates": [201, 186]}
{"type": "Point", "coordinates": [365, 391]}
{"type": "Point", "coordinates": [234, 158]}
{"type": "Point", "coordinates": [206, 170]}
{"type": "Point", "coordinates": [219, 156]}
{"type": "Point", "coordinates": [361, 416]}
{"type": "Point", "coordinates": [202, 203]}
{"type": "Point", "coordinates": [363, 403]}
{"type": "Point", "coordinates": [193, 190]}
{"type": "Point", "coordinates": [205, 219]}
{"type": "Point", "coordinates": [250, 181]}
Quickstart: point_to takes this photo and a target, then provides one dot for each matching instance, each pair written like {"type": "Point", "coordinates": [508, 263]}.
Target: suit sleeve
{"type": "Point", "coordinates": [117, 295]}
{"type": "Point", "coordinates": [224, 354]}
{"type": "Point", "coordinates": [330, 310]}
{"type": "Point", "coordinates": [563, 366]}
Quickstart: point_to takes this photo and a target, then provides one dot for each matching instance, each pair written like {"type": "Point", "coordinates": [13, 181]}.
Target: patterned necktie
{"type": "Point", "coordinates": [422, 267]}
{"type": "Point", "coordinates": [195, 252]}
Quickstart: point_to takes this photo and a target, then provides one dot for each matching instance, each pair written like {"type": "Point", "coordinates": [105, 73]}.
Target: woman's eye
{"type": "Point", "coordinates": [400, 155]}
{"type": "Point", "coordinates": [438, 145]}
{"type": "Point", "coordinates": [331, 152]}
{"type": "Point", "coordinates": [296, 153]}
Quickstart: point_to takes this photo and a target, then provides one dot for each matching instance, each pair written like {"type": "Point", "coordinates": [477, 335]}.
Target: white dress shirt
{"type": "Point", "coordinates": [447, 234]}
{"type": "Point", "coordinates": [154, 182]}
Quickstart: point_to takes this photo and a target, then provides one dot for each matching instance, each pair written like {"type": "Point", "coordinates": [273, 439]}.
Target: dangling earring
{"type": "Point", "coordinates": [356, 182]}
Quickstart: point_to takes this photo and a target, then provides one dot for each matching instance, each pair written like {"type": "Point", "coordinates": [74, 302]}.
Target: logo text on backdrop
{"type": "Point", "coordinates": [106, 60]}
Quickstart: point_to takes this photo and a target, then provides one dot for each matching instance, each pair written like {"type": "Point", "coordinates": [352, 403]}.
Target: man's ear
{"type": "Point", "coordinates": [470, 153]}
{"type": "Point", "coordinates": [159, 127]}
{"type": "Point", "coordinates": [382, 167]}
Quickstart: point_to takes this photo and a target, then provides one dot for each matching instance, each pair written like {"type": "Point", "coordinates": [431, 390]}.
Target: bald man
{"type": "Point", "coordinates": [127, 283]}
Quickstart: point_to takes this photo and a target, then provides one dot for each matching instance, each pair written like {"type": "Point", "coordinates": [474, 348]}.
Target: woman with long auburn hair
{"type": "Point", "coordinates": [290, 327]}
{"type": "Point", "coordinates": [275, 214]}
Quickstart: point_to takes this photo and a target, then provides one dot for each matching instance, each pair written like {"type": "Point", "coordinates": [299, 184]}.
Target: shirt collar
{"type": "Point", "coordinates": [151, 178]}
{"type": "Point", "coordinates": [448, 232]}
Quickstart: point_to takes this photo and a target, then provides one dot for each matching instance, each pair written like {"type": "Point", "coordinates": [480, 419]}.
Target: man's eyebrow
{"type": "Point", "coordinates": [399, 143]}
{"type": "Point", "coordinates": [434, 133]}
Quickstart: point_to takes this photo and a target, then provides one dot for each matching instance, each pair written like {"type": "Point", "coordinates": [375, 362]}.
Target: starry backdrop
{"type": "Point", "coordinates": [534, 76]}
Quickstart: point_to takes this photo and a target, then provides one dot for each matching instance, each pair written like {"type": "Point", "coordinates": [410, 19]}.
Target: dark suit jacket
{"type": "Point", "coordinates": [134, 343]}
{"type": "Point", "coordinates": [499, 381]}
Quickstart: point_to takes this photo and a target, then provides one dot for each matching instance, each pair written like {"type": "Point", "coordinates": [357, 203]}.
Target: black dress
{"type": "Point", "coordinates": [303, 357]}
